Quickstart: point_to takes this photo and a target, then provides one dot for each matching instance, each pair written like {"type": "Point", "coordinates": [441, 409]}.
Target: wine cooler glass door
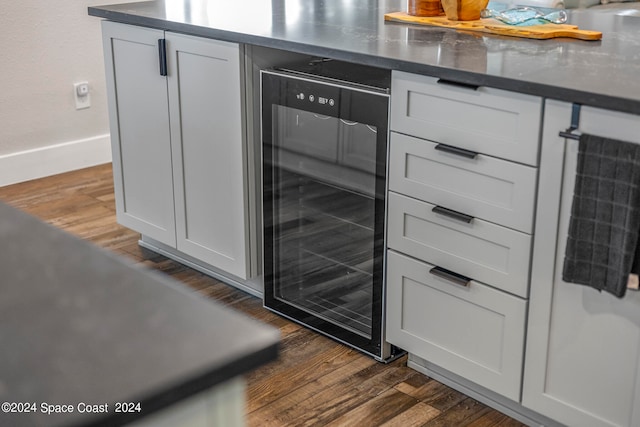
{"type": "Point", "coordinates": [324, 182]}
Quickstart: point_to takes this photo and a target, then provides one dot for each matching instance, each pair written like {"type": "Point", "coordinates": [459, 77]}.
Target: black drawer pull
{"type": "Point", "coordinates": [458, 84]}
{"type": "Point", "coordinates": [452, 214]}
{"type": "Point", "coordinates": [162, 56]}
{"type": "Point", "coordinates": [457, 151]}
{"type": "Point", "coordinates": [456, 278]}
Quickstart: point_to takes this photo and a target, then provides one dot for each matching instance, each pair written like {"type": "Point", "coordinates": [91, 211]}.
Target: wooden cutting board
{"type": "Point", "coordinates": [545, 31]}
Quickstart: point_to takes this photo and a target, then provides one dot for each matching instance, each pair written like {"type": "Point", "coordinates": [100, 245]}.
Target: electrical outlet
{"type": "Point", "coordinates": [82, 95]}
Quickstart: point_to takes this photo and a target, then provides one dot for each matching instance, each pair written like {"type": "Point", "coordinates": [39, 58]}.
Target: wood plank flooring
{"type": "Point", "coordinates": [316, 381]}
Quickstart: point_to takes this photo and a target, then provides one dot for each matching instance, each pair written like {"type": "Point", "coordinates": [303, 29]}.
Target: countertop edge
{"type": "Point", "coordinates": [190, 387]}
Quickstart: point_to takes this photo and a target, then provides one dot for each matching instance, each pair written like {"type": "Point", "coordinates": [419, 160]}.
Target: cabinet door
{"type": "Point", "coordinates": [208, 153]}
{"type": "Point", "coordinates": [484, 187]}
{"type": "Point", "coordinates": [476, 332]}
{"type": "Point", "coordinates": [487, 120]}
{"type": "Point", "coordinates": [138, 113]}
{"type": "Point", "coordinates": [583, 347]}
{"type": "Point", "coordinates": [486, 252]}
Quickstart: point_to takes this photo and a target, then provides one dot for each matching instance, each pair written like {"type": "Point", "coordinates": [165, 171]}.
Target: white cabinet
{"type": "Point", "coordinates": [487, 252]}
{"type": "Point", "coordinates": [485, 187]}
{"type": "Point", "coordinates": [474, 330]}
{"type": "Point", "coordinates": [582, 362]}
{"type": "Point", "coordinates": [140, 140]}
{"type": "Point", "coordinates": [491, 121]}
{"type": "Point", "coordinates": [178, 142]}
{"type": "Point", "coordinates": [462, 181]}
{"type": "Point", "coordinates": [209, 180]}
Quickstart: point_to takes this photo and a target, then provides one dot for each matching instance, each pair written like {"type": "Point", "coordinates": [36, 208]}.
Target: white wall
{"type": "Point", "coordinates": [46, 47]}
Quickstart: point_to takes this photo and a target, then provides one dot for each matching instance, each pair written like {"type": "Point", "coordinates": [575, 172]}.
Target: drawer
{"type": "Point", "coordinates": [476, 332]}
{"type": "Point", "coordinates": [484, 187]}
{"type": "Point", "coordinates": [486, 120]}
{"type": "Point", "coordinates": [483, 251]}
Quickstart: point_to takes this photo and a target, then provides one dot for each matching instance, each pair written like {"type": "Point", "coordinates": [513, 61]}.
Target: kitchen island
{"type": "Point", "coordinates": [597, 73]}
{"type": "Point", "coordinates": [516, 337]}
{"type": "Point", "coordinates": [90, 339]}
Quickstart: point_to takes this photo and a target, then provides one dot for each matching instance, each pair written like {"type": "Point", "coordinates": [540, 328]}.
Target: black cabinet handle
{"type": "Point", "coordinates": [457, 151]}
{"type": "Point", "coordinates": [452, 214]}
{"type": "Point", "coordinates": [456, 278]}
{"type": "Point", "coordinates": [458, 84]}
{"type": "Point", "coordinates": [162, 55]}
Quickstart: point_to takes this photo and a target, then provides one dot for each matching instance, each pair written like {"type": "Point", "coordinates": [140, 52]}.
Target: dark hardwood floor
{"type": "Point", "coordinates": [316, 381]}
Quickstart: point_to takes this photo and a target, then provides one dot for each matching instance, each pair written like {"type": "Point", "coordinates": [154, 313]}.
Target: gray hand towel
{"type": "Point", "coordinates": [602, 246]}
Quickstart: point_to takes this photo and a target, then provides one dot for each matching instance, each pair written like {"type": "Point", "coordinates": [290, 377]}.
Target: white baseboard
{"type": "Point", "coordinates": [54, 159]}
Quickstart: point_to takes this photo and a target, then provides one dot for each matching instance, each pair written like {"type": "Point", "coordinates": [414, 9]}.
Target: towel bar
{"type": "Point", "coordinates": [575, 124]}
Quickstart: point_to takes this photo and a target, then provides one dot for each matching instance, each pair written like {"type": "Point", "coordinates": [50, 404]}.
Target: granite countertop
{"type": "Point", "coordinates": [81, 325]}
{"type": "Point", "coordinates": [598, 73]}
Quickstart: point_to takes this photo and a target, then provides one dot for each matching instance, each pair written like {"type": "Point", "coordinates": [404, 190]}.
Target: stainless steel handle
{"type": "Point", "coordinates": [452, 214]}
{"type": "Point", "coordinates": [456, 278]}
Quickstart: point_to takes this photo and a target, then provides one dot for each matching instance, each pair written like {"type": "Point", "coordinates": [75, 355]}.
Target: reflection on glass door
{"type": "Point", "coordinates": [325, 214]}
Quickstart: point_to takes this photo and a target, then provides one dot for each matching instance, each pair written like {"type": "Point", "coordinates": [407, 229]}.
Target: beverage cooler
{"type": "Point", "coordinates": [325, 133]}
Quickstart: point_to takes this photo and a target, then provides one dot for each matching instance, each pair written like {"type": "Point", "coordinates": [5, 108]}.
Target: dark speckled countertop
{"type": "Point", "coordinates": [80, 325]}
{"type": "Point", "coordinates": [597, 73]}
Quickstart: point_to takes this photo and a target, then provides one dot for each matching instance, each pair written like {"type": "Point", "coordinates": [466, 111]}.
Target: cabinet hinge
{"type": "Point", "coordinates": [162, 55]}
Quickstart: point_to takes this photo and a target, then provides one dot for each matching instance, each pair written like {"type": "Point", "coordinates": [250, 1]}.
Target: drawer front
{"type": "Point", "coordinates": [476, 331]}
{"type": "Point", "coordinates": [480, 250]}
{"type": "Point", "coordinates": [490, 121]}
{"type": "Point", "coordinates": [484, 187]}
